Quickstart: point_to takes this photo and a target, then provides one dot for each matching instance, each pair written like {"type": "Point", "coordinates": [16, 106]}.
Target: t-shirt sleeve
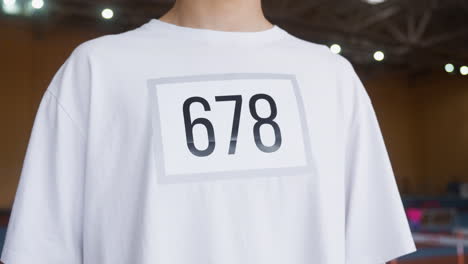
{"type": "Point", "coordinates": [45, 226]}
{"type": "Point", "coordinates": [377, 229]}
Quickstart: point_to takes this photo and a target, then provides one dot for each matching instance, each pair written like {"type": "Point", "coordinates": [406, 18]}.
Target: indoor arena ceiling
{"type": "Point", "coordinates": [414, 33]}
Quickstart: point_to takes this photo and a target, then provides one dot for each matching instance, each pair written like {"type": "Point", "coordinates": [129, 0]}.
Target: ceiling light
{"type": "Point", "coordinates": [374, 2]}
{"type": "Point", "coordinates": [107, 13]}
{"type": "Point", "coordinates": [335, 48]}
{"type": "Point", "coordinates": [10, 7]}
{"type": "Point", "coordinates": [449, 67]}
{"type": "Point", "coordinates": [464, 70]}
{"type": "Point", "coordinates": [37, 4]}
{"type": "Point", "coordinates": [379, 56]}
{"type": "Point", "coordinates": [9, 2]}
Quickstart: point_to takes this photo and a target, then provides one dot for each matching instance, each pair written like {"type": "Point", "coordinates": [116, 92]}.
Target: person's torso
{"type": "Point", "coordinates": [206, 153]}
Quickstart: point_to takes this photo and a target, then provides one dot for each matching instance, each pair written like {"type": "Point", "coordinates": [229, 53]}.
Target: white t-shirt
{"type": "Point", "coordinates": [176, 145]}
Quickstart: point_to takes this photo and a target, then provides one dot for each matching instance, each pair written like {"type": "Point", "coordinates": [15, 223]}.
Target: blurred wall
{"type": "Point", "coordinates": [423, 118]}
{"type": "Point", "coordinates": [441, 118]}
{"type": "Point", "coordinates": [393, 102]}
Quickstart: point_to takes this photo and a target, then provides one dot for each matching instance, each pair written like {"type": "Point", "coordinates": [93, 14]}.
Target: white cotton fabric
{"type": "Point", "coordinates": [102, 181]}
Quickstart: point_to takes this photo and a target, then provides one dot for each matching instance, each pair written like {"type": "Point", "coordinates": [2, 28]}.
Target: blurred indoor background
{"type": "Point", "coordinates": [412, 56]}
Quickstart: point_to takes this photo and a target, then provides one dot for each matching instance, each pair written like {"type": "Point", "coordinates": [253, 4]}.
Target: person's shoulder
{"type": "Point", "coordinates": [320, 53]}
{"type": "Point", "coordinates": [112, 44]}
{"type": "Point", "coordinates": [103, 51]}
{"type": "Point", "coordinates": [303, 44]}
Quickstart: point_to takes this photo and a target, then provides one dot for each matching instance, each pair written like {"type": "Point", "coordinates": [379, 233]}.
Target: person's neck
{"type": "Point", "coordinates": [224, 15]}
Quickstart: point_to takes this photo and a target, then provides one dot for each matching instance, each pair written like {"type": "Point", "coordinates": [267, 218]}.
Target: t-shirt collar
{"type": "Point", "coordinates": [218, 36]}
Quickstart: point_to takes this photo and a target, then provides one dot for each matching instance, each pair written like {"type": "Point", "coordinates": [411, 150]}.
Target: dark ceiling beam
{"type": "Point", "coordinates": [306, 6]}
{"type": "Point", "coordinates": [381, 16]}
{"type": "Point", "coordinates": [464, 5]}
{"type": "Point", "coordinates": [410, 25]}
{"type": "Point", "coordinates": [444, 37]}
{"type": "Point", "coordinates": [422, 25]}
{"type": "Point", "coordinates": [396, 32]}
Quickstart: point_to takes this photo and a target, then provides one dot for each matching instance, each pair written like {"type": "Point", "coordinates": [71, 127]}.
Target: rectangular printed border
{"type": "Point", "coordinates": [162, 177]}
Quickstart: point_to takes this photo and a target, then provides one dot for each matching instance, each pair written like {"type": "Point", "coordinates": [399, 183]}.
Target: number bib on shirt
{"type": "Point", "coordinates": [216, 126]}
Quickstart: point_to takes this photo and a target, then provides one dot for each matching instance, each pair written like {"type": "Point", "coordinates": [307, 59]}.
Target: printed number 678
{"type": "Point", "coordinates": [269, 120]}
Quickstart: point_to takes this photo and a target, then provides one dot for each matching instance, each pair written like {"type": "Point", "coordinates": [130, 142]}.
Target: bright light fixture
{"type": "Point", "coordinates": [10, 7]}
{"type": "Point", "coordinates": [9, 2]}
{"type": "Point", "coordinates": [374, 2]}
{"type": "Point", "coordinates": [335, 48]}
{"type": "Point", "coordinates": [449, 67]}
{"type": "Point", "coordinates": [37, 4]}
{"type": "Point", "coordinates": [379, 56]}
{"type": "Point", "coordinates": [464, 70]}
{"type": "Point", "coordinates": [107, 13]}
